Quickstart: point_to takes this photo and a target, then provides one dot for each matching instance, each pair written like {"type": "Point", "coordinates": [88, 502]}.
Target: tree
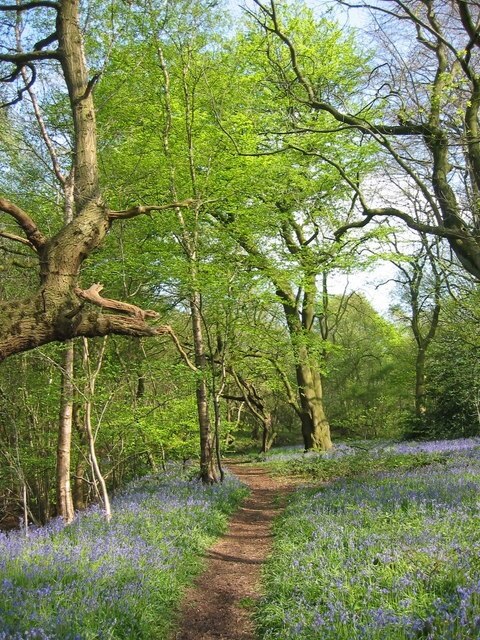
{"type": "Point", "coordinates": [180, 157]}
{"type": "Point", "coordinates": [368, 385]}
{"type": "Point", "coordinates": [253, 345]}
{"type": "Point", "coordinates": [29, 400]}
{"type": "Point", "coordinates": [283, 221]}
{"type": "Point", "coordinates": [43, 146]}
{"type": "Point", "coordinates": [430, 95]}
{"type": "Point", "coordinates": [422, 287]}
{"type": "Point", "coordinates": [60, 309]}
{"type": "Point", "coordinates": [291, 269]}
{"type": "Point", "coordinates": [453, 372]}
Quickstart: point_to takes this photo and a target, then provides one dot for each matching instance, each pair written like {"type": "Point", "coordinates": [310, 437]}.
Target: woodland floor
{"type": "Point", "coordinates": [218, 606]}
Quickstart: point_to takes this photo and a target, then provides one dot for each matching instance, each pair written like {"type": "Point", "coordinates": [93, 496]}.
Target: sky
{"type": "Point", "coordinates": [376, 285]}
{"type": "Point", "coordinates": [353, 17]}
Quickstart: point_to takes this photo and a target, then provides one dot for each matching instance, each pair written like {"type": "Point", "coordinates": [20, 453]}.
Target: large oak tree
{"type": "Point", "coordinates": [60, 308]}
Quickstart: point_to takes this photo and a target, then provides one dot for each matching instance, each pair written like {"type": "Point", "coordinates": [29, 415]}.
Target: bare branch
{"type": "Point", "coordinates": [404, 129]}
{"type": "Point", "coordinates": [45, 4]}
{"type": "Point", "coordinates": [28, 82]}
{"type": "Point", "coordinates": [296, 130]}
{"type": "Point", "coordinates": [139, 210]}
{"type": "Point", "coordinates": [21, 59]}
{"type": "Point", "coordinates": [89, 88]}
{"type": "Point", "coordinates": [249, 393]}
{"type": "Point", "coordinates": [370, 212]}
{"type": "Point", "coordinates": [180, 349]}
{"type": "Point", "coordinates": [468, 24]}
{"type": "Point", "coordinates": [12, 236]}
{"type": "Point", "coordinates": [358, 224]}
{"type": "Point", "coordinates": [53, 37]}
{"type": "Point", "coordinates": [34, 236]}
{"type": "Point", "coordinates": [442, 232]}
{"type": "Point", "coordinates": [36, 107]}
{"type": "Point", "coordinates": [292, 400]}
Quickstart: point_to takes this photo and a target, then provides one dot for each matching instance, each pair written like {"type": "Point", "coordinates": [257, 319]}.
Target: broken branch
{"type": "Point", "coordinates": [139, 210]}
{"type": "Point", "coordinates": [92, 294]}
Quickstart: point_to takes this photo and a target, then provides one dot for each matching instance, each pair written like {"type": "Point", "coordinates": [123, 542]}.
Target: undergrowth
{"type": "Point", "coordinates": [394, 555]}
{"type": "Point", "coordinates": [352, 465]}
{"type": "Point", "coordinates": [117, 580]}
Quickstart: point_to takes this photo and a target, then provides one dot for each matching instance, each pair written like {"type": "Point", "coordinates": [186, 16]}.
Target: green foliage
{"type": "Point", "coordinates": [453, 392]}
{"type": "Point", "coordinates": [179, 96]}
{"type": "Point", "coordinates": [143, 414]}
{"type": "Point", "coordinates": [29, 400]}
{"type": "Point", "coordinates": [370, 371]}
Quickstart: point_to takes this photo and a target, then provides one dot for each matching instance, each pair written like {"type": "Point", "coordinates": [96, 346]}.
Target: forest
{"type": "Point", "coordinates": [226, 230]}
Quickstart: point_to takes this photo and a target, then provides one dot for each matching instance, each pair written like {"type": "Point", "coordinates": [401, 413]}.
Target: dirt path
{"type": "Point", "coordinates": [216, 607]}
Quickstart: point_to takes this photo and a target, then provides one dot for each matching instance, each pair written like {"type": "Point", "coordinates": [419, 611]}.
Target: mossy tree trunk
{"type": "Point", "coordinates": [315, 425]}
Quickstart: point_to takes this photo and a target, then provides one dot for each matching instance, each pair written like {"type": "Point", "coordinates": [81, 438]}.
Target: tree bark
{"type": "Point", "coordinates": [89, 394]}
{"type": "Point", "coordinates": [55, 312]}
{"type": "Point", "coordinates": [420, 383]}
{"type": "Point", "coordinates": [64, 443]}
{"type": "Point", "coordinates": [63, 486]}
{"type": "Point", "coordinates": [79, 481]}
{"type": "Point", "coordinates": [207, 450]}
{"type": "Point", "coordinates": [268, 434]}
{"type": "Point", "coordinates": [315, 425]}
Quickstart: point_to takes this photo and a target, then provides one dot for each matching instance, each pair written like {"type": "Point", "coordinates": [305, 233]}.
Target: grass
{"type": "Point", "coordinates": [353, 465]}
{"type": "Point", "coordinates": [394, 553]}
{"type": "Point", "coordinates": [360, 458]}
{"type": "Point", "coordinates": [123, 580]}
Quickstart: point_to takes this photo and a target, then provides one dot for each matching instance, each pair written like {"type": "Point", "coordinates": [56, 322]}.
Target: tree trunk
{"type": "Point", "coordinates": [315, 426]}
{"type": "Point", "coordinates": [420, 382]}
{"type": "Point", "coordinates": [94, 462]}
{"type": "Point", "coordinates": [63, 487]}
{"type": "Point", "coordinates": [207, 450]}
{"type": "Point", "coordinates": [268, 434]}
{"type": "Point", "coordinates": [89, 395]}
{"type": "Point", "coordinates": [217, 394]}
{"type": "Point", "coordinates": [79, 482]}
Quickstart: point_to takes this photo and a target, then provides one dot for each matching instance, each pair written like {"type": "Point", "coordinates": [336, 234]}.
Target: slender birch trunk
{"type": "Point", "coordinates": [89, 395]}
{"type": "Point", "coordinates": [63, 487]}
